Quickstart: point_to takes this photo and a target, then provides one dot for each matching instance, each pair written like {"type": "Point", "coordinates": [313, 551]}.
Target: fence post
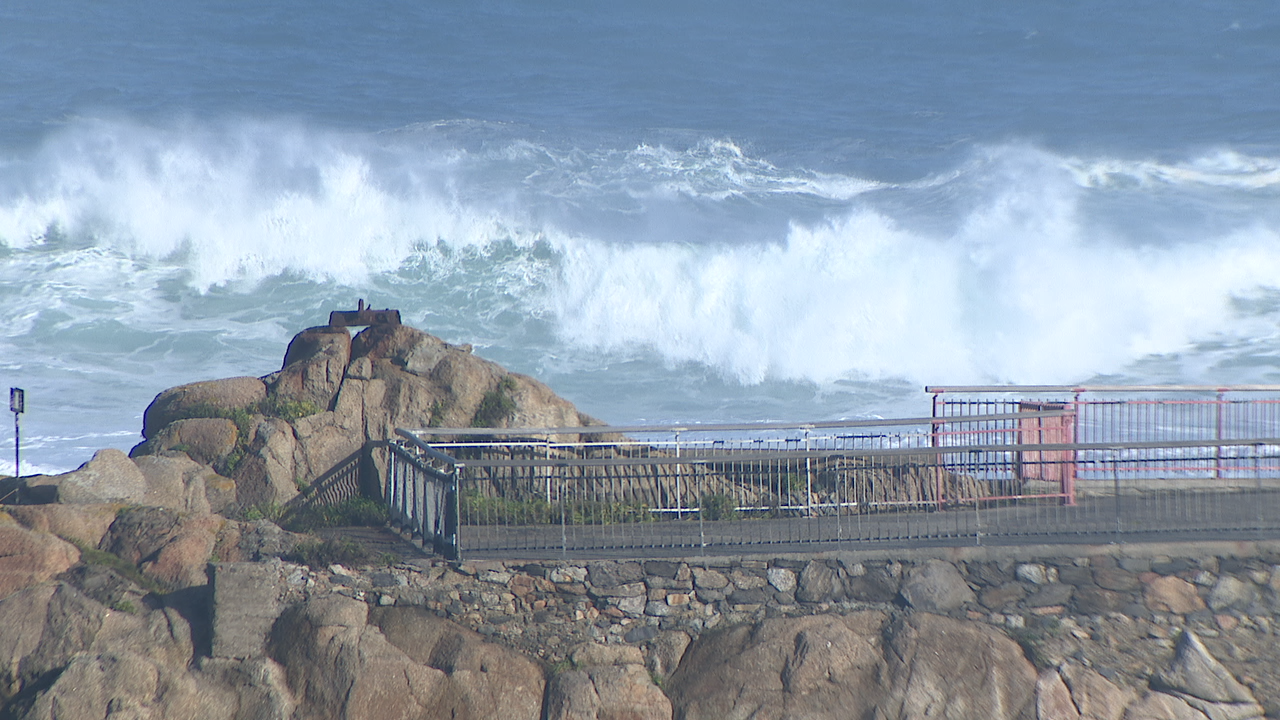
{"type": "Point", "coordinates": [934, 442]}
{"type": "Point", "coordinates": [1115, 485]}
{"type": "Point", "coordinates": [452, 549]}
{"type": "Point", "coordinates": [1217, 436]}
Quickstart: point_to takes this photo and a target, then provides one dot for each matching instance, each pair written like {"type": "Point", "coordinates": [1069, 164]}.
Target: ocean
{"type": "Point", "coordinates": [669, 212]}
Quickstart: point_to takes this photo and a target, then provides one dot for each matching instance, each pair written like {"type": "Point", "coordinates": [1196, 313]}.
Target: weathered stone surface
{"type": "Point", "coordinates": [28, 557]}
{"type": "Point", "coordinates": [1051, 594]}
{"type": "Point", "coordinates": [110, 476]}
{"type": "Point", "coordinates": [996, 598]}
{"type": "Point", "coordinates": [944, 668]}
{"type": "Point", "coordinates": [1116, 579]}
{"type": "Point", "coordinates": [819, 583]}
{"type": "Point", "coordinates": [592, 653]}
{"type": "Point", "coordinates": [708, 579]}
{"type": "Point", "coordinates": [485, 680]}
{"type": "Point", "coordinates": [1053, 699]}
{"type": "Point", "coordinates": [166, 545]}
{"type": "Point", "coordinates": [254, 689]}
{"type": "Point", "coordinates": [936, 586]}
{"type": "Point", "coordinates": [606, 693]}
{"type": "Point", "coordinates": [1172, 594]}
{"type": "Point", "coordinates": [1096, 601]}
{"type": "Point", "coordinates": [267, 472]}
{"type": "Point", "coordinates": [205, 440]}
{"type": "Point", "coordinates": [430, 382]}
{"type": "Point", "coordinates": [1194, 672]}
{"type": "Point", "coordinates": [341, 667]}
{"type": "Point", "coordinates": [188, 400]}
{"type": "Point", "coordinates": [872, 586]}
{"type": "Point", "coordinates": [50, 628]}
{"type": "Point", "coordinates": [246, 603]}
{"type": "Point", "coordinates": [175, 481]}
{"type": "Point", "coordinates": [817, 666]}
{"type": "Point", "coordinates": [1159, 706]}
{"type": "Point", "coordinates": [1230, 592]}
{"type": "Point", "coordinates": [1036, 574]}
{"type": "Point", "coordinates": [314, 365]}
{"type": "Point", "coordinates": [611, 574]}
{"type": "Point", "coordinates": [82, 523]}
{"type": "Point", "coordinates": [1096, 697]}
{"type": "Point", "coordinates": [782, 579]}
{"type": "Point", "coordinates": [666, 652]}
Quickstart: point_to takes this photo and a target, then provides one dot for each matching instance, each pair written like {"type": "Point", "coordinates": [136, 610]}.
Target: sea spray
{"type": "Point", "coordinates": [649, 282]}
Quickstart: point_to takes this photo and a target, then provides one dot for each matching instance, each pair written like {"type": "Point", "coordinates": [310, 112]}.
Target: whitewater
{"type": "Point", "coordinates": [712, 216]}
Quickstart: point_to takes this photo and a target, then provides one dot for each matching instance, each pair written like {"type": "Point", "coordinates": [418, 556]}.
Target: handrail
{"type": "Point", "coordinates": [940, 389]}
{"type": "Point", "coordinates": [428, 450]}
{"type": "Point", "coordinates": [622, 429]}
{"type": "Point", "coordinates": [849, 454]}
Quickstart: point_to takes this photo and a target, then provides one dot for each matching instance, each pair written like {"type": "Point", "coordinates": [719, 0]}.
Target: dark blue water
{"type": "Point", "coordinates": [728, 211]}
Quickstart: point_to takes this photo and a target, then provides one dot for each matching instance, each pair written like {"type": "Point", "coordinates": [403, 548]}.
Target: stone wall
{"type": "Point", "coordinates": [1117, 610]}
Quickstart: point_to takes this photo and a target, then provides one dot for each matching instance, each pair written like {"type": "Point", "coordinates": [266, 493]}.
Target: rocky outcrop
{"type": "Point", "coordinates": [201, 399]}
{"type": "Point", "coordinates": [853, 666]}
{"type": "Point", "coordinates": [406, 665]}
{"type": "Point", "coordinates": [28, 558]}
{"type": "Point", "coordinates": [314, 365]}
{"type": "Point", "coordinates": [332, 395]}
{"type": "Point", "coordinates": [110, 476]}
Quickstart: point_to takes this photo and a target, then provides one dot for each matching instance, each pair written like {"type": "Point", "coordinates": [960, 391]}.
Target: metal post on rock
{"type": "Point", "coordinates": [17, 405]}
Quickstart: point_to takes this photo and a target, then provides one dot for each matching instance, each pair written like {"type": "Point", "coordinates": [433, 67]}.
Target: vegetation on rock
{"type": "Point", "coordinates": [497, 406]}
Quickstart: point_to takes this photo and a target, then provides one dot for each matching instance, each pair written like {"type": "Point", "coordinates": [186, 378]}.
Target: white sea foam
{"type": "Point", "coordinates": [1018, 284]}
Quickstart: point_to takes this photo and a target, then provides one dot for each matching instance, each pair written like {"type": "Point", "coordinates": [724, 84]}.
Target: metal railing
{"type": "Point", "coordinates": [949, 479]}
{"type": "Point", "coordinates": [421, 493]}
{"type": "Point", "coordinates": [1117, 414]}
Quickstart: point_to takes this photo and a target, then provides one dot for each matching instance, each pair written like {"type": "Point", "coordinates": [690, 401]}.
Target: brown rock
{"type": "Point", "coordinates": [182, 561]}
{"type": "Point", "coordinates": [1053, 594]}
{"type": "Point", "coordinates": [85, 524]}
{"type": "Point", "coordinates": [936, 586]}
{"type": "Point", "coordinates": [944, 668]}
{"type": "Point", "coordinates": [426, 381]}
{"type": "Point", "coordinates": [53, 632]}
{"type": "Point", "coordinates": [1159, 706]}
{"type": "Point", "coordinates": [818, 583]}
{"type": "Point", "coordinates": [110, 476]}
{"type": "Point", "coordinates": [1115, 579]}
{"type": "Point", "coordinates": [997, 598]}
{"type": "Point", "coordinates": [172, 548]}
{"type": "Point", "coordinates": [1053, 699]}
{"type": "Point", "coordinates": [606, 693]}
{"type": "Point", "coordinates": [1096, 601]}
{"type": "Point", "coordinates": [1194, 672]}
{"type": "Point", "coordinates": [175, 481]}
{"type": "Point", "coordinates": [666, 652]}
{"type": "Point", "coordinates": [874, 586]}
{"type": "Point", "coordinates": [815, 666]}
{"type": "Point", "coordinates": [193, 399]}
{"type": "Point", "coordinates": [1172, 594]}
{"type": "Point", "coordinates": [28, 558]}
{"type": "Point", "coordinates": [708, 579]}
{"type": "Point", "coordinates": [342, 667]}
{"type": "Point", "coordinates": [314, 366]}
{"type": "Point", "coordinates": [1096, 697]}
{"type": "Point", "coordinates": [486, 680]}
{"type": "Point", "coordinates": [266, 474]}
{"type": "Point", "coordinates": [205, 440]}
{"type": "Point", "coordinates": [588, 654]}
{"type": "Point", "coordinates": [101, 685]}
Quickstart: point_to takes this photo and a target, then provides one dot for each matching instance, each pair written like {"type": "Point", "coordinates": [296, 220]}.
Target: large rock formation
{"type": "Point", "coordinates": [265, 436]}
{"type": "Point", "coordinates": [852, 666]}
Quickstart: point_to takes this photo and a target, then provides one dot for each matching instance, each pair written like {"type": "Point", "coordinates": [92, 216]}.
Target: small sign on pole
{"type": "Point", "coordinates": [17, 405]}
